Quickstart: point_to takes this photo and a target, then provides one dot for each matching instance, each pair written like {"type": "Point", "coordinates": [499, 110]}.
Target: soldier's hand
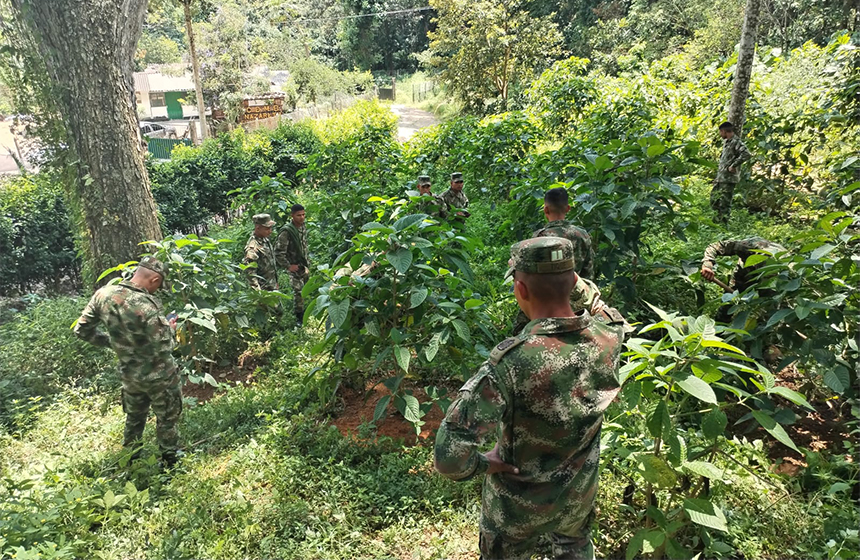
{"type": "Point", "coordinates": [732, 169]}
{"type": "Point", "coordinates": [294, 268]}
{"type": "Point", "coordinates": [496, 463]}
{"type": "Point", "coordinates": [708, 274]}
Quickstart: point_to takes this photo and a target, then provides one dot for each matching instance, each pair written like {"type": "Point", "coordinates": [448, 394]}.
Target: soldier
{"type": "Point", "coordinates": [543, 394]}
{"type": "Point", "coordinates": [556, 205]}
{"type": "Point", "coordinates": [292, 254]}
{"type": "Point", "coordinates": [743, 276]}
{"type": "Point", "coordinates": [728, 173]}
{"type": "Point", "coordinates": [135, 327]}
{"type": "Point", "coordinates": [434, 205]}
{"type": "Point", "coordinates": [259, 250]}
{"type": "Point", "coordinates": [455, 199]}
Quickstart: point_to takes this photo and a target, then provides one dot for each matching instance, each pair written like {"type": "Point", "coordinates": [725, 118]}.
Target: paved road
{"type": "Point", "coordinates": [411, 120]}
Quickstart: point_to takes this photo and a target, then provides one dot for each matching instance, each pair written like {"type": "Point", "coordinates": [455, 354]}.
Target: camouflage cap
{"type": "Point", "coordinates": [263, 220]}
{"type": "Point", "coordinates": [541, 255]}
{"type": "Point", "coordinates": [456, 176]}
{"type": "Point", "coordinates": [423, 180]}
{"type": "Point", "coordinates": [154, 265]}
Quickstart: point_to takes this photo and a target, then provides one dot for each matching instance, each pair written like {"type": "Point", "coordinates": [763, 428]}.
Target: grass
{"type": "Point", "coordinates": [437, 101]}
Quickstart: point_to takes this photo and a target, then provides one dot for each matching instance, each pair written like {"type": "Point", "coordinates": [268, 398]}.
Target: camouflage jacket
{"type": "Point", "coordinates": [134, 325]}
{"type": "Point", "coordinates": [743, 249]}
{"type": "Point", "coordinates": [583, 255]}
{"type": "Point", "coordinates": [454, 200]}
{"type": "Point", "coordinates": [292, 247]}
{"type": "Point", "coordinates": [541, 395]}
{"type": "Point", "coordinates": [734, 154]}
{"type": "Point", "coordinates": [433, 205]}
{"type": "Point", "coordinates": [265, 276]}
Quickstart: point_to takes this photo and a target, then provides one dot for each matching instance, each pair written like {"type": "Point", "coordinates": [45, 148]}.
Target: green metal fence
{"type": "Point", "coordinates": [160, 148]}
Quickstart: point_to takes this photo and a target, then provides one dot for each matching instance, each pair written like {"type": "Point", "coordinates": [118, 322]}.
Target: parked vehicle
{"type": "Point", "coordinates": [154, 130]}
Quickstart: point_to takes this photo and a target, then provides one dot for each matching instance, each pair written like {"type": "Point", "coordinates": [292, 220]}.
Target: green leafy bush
{"type": "Point", "coordinates": [39, 356]}
{"type": "Point", "coordinates": [35, 236]}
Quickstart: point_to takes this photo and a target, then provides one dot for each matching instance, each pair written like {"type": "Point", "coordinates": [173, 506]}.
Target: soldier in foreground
{"type": "Point", "coordinates": [455, 199]}
{"type": "Point", "coordinates": [541, 395]}
{"type": "Point", "coordinates": [292, 254]}
{"type": "Point", "coordinates": [434, 205]}
{"type": "Point", "coordinates": [744, 276]}
{"type": "Point", "coordinates": [259, 250]}
{"type": "Point", "coordinates": [728, 173]}
{"type": "Point", "coordinates": [134, 325]}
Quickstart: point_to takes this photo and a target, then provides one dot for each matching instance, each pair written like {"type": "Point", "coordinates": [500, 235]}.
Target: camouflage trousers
{"type": "Point", "coordinates": [165, 398]}
{"type": "Point", "coordinates": [297, 281]}
{"type": "Point", "coordinates": [721, 200]}
{"type": "Point", "coordinates": [568, 543]}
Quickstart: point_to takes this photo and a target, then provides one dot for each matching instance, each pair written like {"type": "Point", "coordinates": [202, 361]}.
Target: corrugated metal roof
{"type": "Point", "coordinates": [141, 82]}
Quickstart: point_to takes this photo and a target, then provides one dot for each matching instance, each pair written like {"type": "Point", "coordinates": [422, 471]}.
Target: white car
{"type": "Point", "coordinates": [154, 130]}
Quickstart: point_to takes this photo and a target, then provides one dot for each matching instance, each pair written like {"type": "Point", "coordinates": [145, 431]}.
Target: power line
{"type": "Point", "coordinates": [357, 16]}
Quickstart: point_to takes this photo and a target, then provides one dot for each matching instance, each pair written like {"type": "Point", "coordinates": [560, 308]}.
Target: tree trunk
{"type": "Point", "coordinates": [195, 67]}
{"type": "Point", "coordinates": [743, 69]}
{"type": "Point", "coordinates": [88, 46]}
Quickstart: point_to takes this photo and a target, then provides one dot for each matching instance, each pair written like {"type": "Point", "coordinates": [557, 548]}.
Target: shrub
{"type": "Point", "coordinates": [39, 356]}
{"type": "Point", "coordinates": [35, 236]}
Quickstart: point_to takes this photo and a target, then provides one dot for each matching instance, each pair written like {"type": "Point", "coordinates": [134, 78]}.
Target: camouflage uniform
{"type": "Point", "coordinates": [136, 328]}
{"type": "Point", "coordinates": [259, 250]}
{"type": "Point", "coordinates": [734, 154]}
{"type": "Point", "coordinates": [583, 254]}
{"type": "Point", "coordinates": [292, 248]}
{"type": "Point", "coordinates": [743, 277]}
{"type": "Point", "coordinates": [455, 200]}
{"type": "Point", "coordinates": [542, 395]}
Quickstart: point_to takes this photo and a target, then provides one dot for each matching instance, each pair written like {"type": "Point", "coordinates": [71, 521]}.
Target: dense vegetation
{"type": "Point", "coordinates": [717, 446]}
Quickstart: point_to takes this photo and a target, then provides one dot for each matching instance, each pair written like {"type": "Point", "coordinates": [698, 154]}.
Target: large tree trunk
{"type": "Point", "coordinates": [88, 46]}
{"type": "Point", "coordinates": [743, 69]}
{"type": "Point", "coordinates": [195, 68]}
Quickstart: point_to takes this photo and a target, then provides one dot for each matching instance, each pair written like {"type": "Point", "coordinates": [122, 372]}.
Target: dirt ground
{"type": "Point", "coordinates": [411, 120]}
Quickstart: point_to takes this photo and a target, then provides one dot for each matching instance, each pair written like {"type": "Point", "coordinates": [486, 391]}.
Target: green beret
{"type": "Point", "coordinates": [541, 255]}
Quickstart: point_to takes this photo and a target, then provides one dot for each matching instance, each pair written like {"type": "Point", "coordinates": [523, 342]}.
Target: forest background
{"type": "Point", "coordinates": [316, 443]}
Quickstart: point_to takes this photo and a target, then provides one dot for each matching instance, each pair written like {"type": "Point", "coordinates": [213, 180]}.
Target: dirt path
{"type": "Point", "coordinates": [411, 120]}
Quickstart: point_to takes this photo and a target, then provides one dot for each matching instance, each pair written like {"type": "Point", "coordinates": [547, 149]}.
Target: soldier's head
{"type": "Point", "coordinates": [424, 185]}
{"type": "Point", "coordinates": [457, 181]}
{"type": "Point", "coordinates": [727, 130]}
{"type": "Point", "coordinates": [543, 273]}
{"type": "Point", "coordinates": [298, 214]}
{"type": "Point", "coordinates": [150, 274]}
{"type": "Point", "coordinates": [263, 224]}
{"type": "Point", "coordinates": [556, 204]}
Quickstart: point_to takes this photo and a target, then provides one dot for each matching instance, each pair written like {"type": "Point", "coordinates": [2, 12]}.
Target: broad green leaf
{"type": "Point", "coordinates": [802, 311]}
{"type": "Point", "coordinates": [778, 316]}
{"type": "Point", "coordinates": [705, 513]}
{"type": "Point", "coordinates": [838, 383]}
{"type": "Point", "coordinates": [697, 388]}
{"type": "Point", "coordinates": [210, 380]}
{"type": "Point", "coordinates": [602, 162]}
{"type": "Point", "coordinates": [655, 150]}
{"type": "Point", "coordinates": [208, 323]}
{"type": "Point", "coordinates": [432, 347]}
{"type": "Point", "coordinates": [379, 410]}
{"type": "Point", "coordinates": [838, 487]}
{"type": "Point", "coordinates": [774, 429]}
{"type": "Point", "coordinates": [822, 251]}
{"type": "Point", "coordinates": [372, 328]}
{"type": "Point", "coordinates": [412, 412]}
{"type": "Point", "coordinates": [714, 424]}
{"type": "Point", "coordinates": [704, 468]}
{"type": "Point", "coordinates": [417, 298]}
{"type": "Point", "coordinates": [792, 396]}
{"type": "Point", "coordinates": [658, 421]}
{"type": "Point", "coordinates": [655, 470]}
{"type": "Point", "coordinates": [723, 345]}
{"type": "Point", "coordinates": [374, 226]}
{"type": "Point", "coordinates": [337, 312]}
{"type": "Point", "coordinates": [646, 541]}
{"type": "Point", "coordinates": [472, 303]}
{"type": "Point", "coordinates": [631, 368]}
{"type": "Point", "coordinates": [401, 259]}
{"type": "Point", "coordinates": [408, 221]}
{"type": "Point", "coordinates": [461, 328]}
{"type": "Point", "coordinates": [753, 260]}
{"type": "Point", "coordinates": [402, 355]}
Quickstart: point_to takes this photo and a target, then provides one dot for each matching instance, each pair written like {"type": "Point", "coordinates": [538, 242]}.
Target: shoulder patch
{"type": "Point", "coordinates": [615, 316]}
{"type": "Point", "coordinates": [504, 347]}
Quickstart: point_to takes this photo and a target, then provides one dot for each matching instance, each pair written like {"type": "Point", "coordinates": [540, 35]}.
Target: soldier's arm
{"type": "Point", "coordinates": [87, 326]}
{"type": "Point", "coordinates": [742, 155]}
{"type": "Point", "coordinates": [470, 422]}
{"type": "Point", "coordinates": [714, 250]}
{"type": "Point", "coordinates": [282, 248]}
{"type": "Point", "coordinates": [588, 262]}
{"type": "Point", "coordinates": [251, 257]}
